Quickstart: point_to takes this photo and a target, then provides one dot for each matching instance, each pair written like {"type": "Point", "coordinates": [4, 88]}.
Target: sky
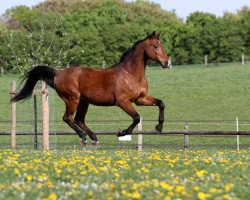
{"type": "Point", "coordinates": [182, 7]}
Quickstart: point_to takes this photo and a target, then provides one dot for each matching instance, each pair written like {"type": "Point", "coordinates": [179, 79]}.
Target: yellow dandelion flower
{"type": "Point", "coordinates": [155, 182]}
{"type": "Point", "coordinates": [135, 195]}
{"type": "Point", "coordinates": [166, 186]}
{"type": "Point", "coordinates": [228, 187]}
{"type": "Point", "coordinates": [216, 176]}
{"type": "Point", "coordinates": [135, 186]}
{"type": "Point", "coordinates": [203, 196]}
{"type": "Point", "coordinates": [227, 196]}
{"type": "Point", "coordinates": [171, 194]}
{"type": "Point", "coordinates": [103, 169]}
{"type": "Point", "coordinates": [49, 184]}
{"type": "Point", "coordinates": [17, 172]}
{"type": "Point", "coordinates": [196, 188]}
{"type": "Point", "coordinates": [52, 196]}
{"type": "Point", "coordinates": [201, 173]}
{"type": "Point", "coordinates": [223, 160]}
{"type": "Point", "coordinates": [179, 189]}
{"type": "Point", "coordinates": [58, 171]}
{"type": "Point", "coordinates": [145, 170]}
{"type": "Point", "coordinates": [39, 186]}
{"type": "Point", "coordinates": [91, 195]}
{"type": "Point", "coordinates": [214, 190]}
{"type": "Point", "coordinates": [83, 172]}
{"type": "Point", "coordinates": [29, 178]}
{"type": "Point", "coordinates": [124, 192]}
{"type": "Point", "coordinates": [117, 175]}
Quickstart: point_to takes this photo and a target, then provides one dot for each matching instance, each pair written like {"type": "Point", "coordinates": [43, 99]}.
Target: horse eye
{"type": "Point", "coordinates": [155, 46]}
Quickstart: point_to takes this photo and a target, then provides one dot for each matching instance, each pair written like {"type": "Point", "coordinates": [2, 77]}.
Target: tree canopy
{"type": "Point", "coordinates": [88, 32]}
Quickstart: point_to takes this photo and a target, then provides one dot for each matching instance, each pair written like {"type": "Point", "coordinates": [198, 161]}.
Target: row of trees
{"type": "Point", "coordinates": [87, 32]}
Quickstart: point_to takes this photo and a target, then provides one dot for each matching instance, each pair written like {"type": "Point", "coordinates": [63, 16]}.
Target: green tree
{"type": "Point", "coordinates": [244, 25]}
{"type": "Point", "coordinates": [230, 43]}
{"type": "Point", "coordinates": [205, 27]}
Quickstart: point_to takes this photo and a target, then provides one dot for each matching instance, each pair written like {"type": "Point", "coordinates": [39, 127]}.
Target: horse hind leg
{"type": "Point", "coordinates": [71, 107]}
{"type": "Point", "coordinates": [80, 121]}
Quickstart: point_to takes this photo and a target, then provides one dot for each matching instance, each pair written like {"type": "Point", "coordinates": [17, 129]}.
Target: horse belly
{"type": "Point", "coordinates": [99, 98]}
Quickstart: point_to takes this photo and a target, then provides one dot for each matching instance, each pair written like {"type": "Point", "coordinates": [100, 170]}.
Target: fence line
{"type": "Point", "coordinates": [186, 133]}
{"type": "Point", "coordinates": [148, 132]}
{"type": "Point", "coordinates": [45, 121]}
{"type": "Point", "coordinates": [169, 122]}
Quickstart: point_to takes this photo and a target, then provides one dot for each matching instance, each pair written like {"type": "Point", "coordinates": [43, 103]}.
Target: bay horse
{"type": "Point", "coordinates": [120, 85]}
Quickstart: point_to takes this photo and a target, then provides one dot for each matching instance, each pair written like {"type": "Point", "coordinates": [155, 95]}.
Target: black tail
{"type": "Point", "coordinates": [44, 73]}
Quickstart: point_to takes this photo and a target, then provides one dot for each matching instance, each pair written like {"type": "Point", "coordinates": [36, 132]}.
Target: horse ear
{"type": "Point", "coordinates": [158, 35]}
{"type": "Point", "coordinates": [153, 36]}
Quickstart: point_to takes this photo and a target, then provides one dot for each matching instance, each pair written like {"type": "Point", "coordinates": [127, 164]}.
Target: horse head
{"type": "Point", "coordinates": [155, 51]}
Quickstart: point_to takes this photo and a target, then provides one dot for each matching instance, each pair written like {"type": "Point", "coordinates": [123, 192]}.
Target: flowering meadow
{"type": "Point", "coordinates": [124, 174]}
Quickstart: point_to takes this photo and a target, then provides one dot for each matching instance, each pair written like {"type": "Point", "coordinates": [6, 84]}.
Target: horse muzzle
{"type": "Point", "coordinates": [165, 64]}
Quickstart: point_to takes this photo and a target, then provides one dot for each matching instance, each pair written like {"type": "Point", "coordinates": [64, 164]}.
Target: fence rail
{"type": "Point", "coordinates": [186, 132]}
{"type": "Point", "coordinates": [152, 132]}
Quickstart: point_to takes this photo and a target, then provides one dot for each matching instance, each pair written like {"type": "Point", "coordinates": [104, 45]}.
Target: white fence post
{"type": "Point", "coordinates": [242, 59]}
{"type": "Point", "coordinates": [103, 64]}
{"type": "Point", "coordinates": [205, 60]}
{"type": "Point", "coordinates": [140, 135]}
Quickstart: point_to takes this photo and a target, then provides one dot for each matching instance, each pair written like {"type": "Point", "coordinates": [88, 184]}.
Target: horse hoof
{"type": "Point", "coordinates": [84, 143]}
{"type": "Point", "coordinates": [121, 133]}
{"type": "Point", "coordinates": [96, 144]}
{"type": "Point", "coordinates": [158, 128]}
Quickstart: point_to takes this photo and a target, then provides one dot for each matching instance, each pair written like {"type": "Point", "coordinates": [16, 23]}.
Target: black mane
{"type": "Point", "coordinates": [131, 49]}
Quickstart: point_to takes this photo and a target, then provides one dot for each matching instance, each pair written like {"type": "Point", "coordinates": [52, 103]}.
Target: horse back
{"type": "Point", "coordinates": [94, 85]}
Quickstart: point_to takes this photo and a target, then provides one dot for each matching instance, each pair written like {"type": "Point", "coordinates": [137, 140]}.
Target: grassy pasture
{"type": "Point", "coordinates": [118, 170]}
{"type": "Point", "coordinates": [191, 94]}
{"type": "Point", "coordinates": [124, 174]}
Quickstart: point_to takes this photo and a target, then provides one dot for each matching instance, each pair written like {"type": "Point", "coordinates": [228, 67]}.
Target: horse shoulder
{"type": "Point", "coordinates": [128, 87]}
{"type": "Point", "coordinates": [143, 87]}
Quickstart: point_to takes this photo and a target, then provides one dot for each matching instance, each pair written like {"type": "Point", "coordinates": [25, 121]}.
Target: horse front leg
{"type": "Point", "coordinates": [151, 101]}
{"type": "Point", "coordinates": [129, 109]}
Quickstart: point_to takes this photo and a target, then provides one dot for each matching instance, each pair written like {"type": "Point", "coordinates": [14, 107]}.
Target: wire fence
{"type": "Point", "coordinates": [63, 139]}
{"type": "Point", "coordinates": [114, 121]}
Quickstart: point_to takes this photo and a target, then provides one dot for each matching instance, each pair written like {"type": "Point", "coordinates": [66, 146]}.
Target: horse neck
{"type": "Point", "coordinates": [135, 63]}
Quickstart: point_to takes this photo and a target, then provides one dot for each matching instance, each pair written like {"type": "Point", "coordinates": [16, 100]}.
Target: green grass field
{"type": "Point", "coordinates": [212, 95]}
{"type": "Point", "coordinates": [117, 170]}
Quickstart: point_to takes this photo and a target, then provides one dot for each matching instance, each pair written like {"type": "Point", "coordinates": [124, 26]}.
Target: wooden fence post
{"type": "Point", "coordinates": [45, 106]}
{"type": "Point", "coordinates": [13, 110]}
{"type": "Point", "coordinates": [237, 137]}
{"type": "Point", "coordinates": [186, 137]}
{"type": "Point", "coordinates": [140, 135]}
